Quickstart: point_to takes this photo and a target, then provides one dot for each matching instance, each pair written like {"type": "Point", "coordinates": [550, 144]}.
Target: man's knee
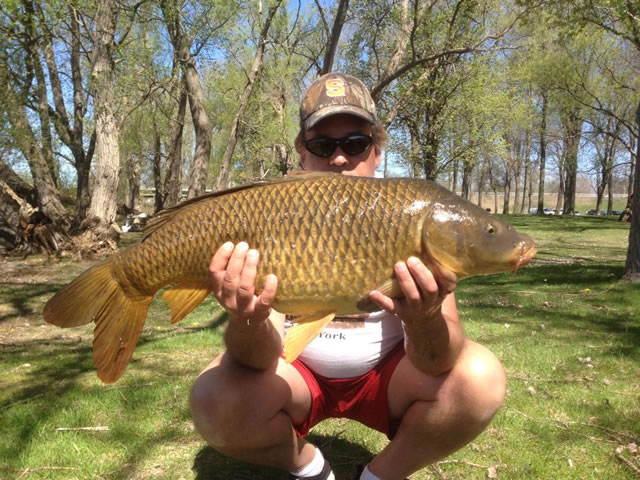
{"type": "Point", "coordinates": [216, 412]}
{"type": "Point", "coordinates": [479, 382]}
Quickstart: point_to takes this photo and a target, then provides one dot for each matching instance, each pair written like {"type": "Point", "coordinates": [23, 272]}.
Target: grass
{"type": "Point", "coordinates": [566, 329]}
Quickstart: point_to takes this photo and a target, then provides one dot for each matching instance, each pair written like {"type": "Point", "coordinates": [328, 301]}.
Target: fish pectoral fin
{"type": "Point", "coordinates": [184, 297]}
{"type": "Point", "coordinates": [390, 288]}
{"type": "Point", "coordinates": [300, 335]}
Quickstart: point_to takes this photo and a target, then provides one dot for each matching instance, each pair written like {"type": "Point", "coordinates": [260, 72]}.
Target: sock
{"type": "Point", "coordinates": [313, 468]}
{"type": "Point", "coordinates": [367, 475]}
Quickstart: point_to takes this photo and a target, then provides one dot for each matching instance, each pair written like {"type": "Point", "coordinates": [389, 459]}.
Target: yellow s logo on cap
{"type": "Point", "coordinates": [335, 87]}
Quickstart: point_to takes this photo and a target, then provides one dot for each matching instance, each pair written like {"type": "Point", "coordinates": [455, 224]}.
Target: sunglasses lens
{"type": "Point", "coordinates": [355, 144]}
{"type": "Point", "coordinates": [351, 145]}
{"type": "Point", "coordinates": [322, 147]}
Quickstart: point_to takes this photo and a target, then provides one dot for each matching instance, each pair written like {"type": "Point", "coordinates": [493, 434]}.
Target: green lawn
{"type": "Point", "coordinates": [567, 331]}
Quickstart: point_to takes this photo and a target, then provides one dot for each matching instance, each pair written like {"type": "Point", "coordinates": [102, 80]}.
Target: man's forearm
{"type": "Point", "coordinates": [433, 345]}
{"type": "Point", "coordinates": [257, 345]}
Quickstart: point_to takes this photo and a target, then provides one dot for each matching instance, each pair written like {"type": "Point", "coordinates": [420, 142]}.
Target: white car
{"type": "Point", "coordinates": [546, 211]}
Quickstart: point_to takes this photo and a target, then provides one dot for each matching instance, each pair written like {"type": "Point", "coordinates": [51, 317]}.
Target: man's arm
{"type": "Point", "coordinates": [254, 334]}
{"type": "Point", "coordinates": [434, 336]}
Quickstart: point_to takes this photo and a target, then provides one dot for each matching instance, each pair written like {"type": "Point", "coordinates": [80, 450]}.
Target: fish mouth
{"type": "Point", "coordinates": [526, 254]}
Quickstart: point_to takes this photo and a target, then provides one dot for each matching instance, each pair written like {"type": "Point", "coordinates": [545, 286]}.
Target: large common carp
{"type": "Point", "coordinates": [330, 239]}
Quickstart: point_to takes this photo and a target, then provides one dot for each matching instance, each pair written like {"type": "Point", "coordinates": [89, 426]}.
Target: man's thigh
{"type": "Point", "coordinates": [475, 365]}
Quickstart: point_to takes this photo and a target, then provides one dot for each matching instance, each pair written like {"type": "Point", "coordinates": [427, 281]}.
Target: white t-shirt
{"type": "Point", "coordinates": [351, 346]}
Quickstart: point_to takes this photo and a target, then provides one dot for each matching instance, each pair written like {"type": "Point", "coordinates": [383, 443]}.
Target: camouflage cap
{"type": "Point", "coordinates": [335, 93]}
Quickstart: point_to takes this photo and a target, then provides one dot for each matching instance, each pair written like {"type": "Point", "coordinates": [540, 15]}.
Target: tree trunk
{"type": "Point", "coordinates": [160, 195]}
{"type": "Point", "coordinates": [610, 193]}
{"type": "Point", "coordinates": [201, 122]}
{"type": "Point", "coordinates": [480, 185]}
{"type": "Point", "coordinates": [133, 180]}
{"type": "Point", "coordinates": [414, 151]}
{"type": "Point", "coordinates": [17, 184]}
{"type": "Point", "coordinates": [543, 154]}
{"type": "Point", "coordinates": [332, 44]}
{"type": "Point", "coordinates": [526, 186]}
{"type": "Point", "coordinates": [82, 159]}
{"type": "Point", "coordinates": [430, 154]}
{"type": "Point", "coordinates": [517, 171]}
{"type": "Point", "coordinates": [103, 207]}
{"type": "Point", "coordinates": [632, 265]}
{"type": "Point", "coordinates": [223, 178]}
{"type": "Point", "coordinates": [467, 169]}
{"type": "Point", "coordinates": [507, 193]}
{"type": "Point", "coordinates": [633, 165]}
{"type": "Point", "coordinates": [48, 197]}
{"type": "Point", "coordinates": [83, 193]}
{"type": "Point", "coordinates": [572, 141]}
{"type": "Point", "coordinates": [23, 228]}
{"type": "Point", "coordinates": [454, 181]}
{"type": "Point", "coordinates": [602, 184]}
{"type": "Point", "coordinates": [202, 127]}
{"type": "Point", "coordinates": [173, 176]}
{"type": "Point", "coordinates": [561, 185]}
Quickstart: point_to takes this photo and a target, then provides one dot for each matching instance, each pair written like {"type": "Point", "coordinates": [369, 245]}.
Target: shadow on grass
{"type": "Point", "coordinates": [30, 406]}
{"type": "Point", "coordinates": [23, 297]}
{"type": "Point", "coordinates": [49, 382]}
{"type": "Point", "coordinates": [345, 458]}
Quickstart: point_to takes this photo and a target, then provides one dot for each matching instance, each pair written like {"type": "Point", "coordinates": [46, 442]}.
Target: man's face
{"type": "Point", "coordinates": [338, 126]}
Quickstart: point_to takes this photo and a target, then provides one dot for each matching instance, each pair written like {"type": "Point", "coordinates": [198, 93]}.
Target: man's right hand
{"type": "Point", "coordinates": [232, 274]}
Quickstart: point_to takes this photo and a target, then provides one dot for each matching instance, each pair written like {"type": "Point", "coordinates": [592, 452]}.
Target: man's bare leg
{"type": "Point", "coordinates": [249, 414]}
{"type": "Point", "coordinates": [439, 414]}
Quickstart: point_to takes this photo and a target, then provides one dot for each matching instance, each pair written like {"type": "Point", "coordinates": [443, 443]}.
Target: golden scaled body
{"type": "Point", "coordinates": [329, 240]}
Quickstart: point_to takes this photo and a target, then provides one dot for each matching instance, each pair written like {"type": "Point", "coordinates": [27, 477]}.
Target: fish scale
{"type": "Point", "coordinates": [330, 239]}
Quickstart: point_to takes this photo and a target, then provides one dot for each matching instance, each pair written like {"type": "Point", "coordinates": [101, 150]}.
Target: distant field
{"type": "Point", "coordinates": [566, 329]}
{"type": "Point", "coordinates": [584, 202]}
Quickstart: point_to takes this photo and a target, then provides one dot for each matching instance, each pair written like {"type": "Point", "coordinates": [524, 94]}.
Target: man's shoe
{"type": "Point", "coordinates": [325, 474]}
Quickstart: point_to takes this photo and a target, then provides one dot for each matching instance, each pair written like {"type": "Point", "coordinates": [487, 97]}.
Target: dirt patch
{"type": "Point", "coordinates": [41, 269]}
{"type": "Point", "coordinates": [25, 286]}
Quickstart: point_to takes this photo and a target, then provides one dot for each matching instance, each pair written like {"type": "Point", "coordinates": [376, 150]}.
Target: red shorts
{"type": "Point", "coordinates": [362, 398]}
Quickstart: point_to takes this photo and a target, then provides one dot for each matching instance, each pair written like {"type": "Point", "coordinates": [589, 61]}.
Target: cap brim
{"type": "Point", "coordinates": [325, 112]}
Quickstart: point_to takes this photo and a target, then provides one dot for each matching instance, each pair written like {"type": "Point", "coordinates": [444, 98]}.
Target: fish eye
{"type": "Point", "coordinates": [491, 229]}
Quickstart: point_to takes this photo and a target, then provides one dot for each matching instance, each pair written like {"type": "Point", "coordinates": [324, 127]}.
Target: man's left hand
{"type": "Point", "coordinates": [423, 294]}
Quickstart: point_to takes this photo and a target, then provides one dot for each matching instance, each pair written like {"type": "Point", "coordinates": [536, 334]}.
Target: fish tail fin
{"type": "Point", "coordinates": [96, 296]}
{"type": "Point", "coordinates": [184, 297]}
{"type": "Point", "coordinates": [299, 336]}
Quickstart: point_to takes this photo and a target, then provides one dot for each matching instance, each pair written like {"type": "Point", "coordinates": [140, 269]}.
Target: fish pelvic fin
{"type": "Point", "coordinates": [300, 335]}
{"type": "Point", "coordinates": [96, 296]}
{"type": "Point", "coordinates": [184, 297]}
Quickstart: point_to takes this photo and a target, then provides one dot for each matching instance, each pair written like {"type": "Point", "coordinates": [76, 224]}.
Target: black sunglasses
{"type": "Point", "coordinates": [351, 145]}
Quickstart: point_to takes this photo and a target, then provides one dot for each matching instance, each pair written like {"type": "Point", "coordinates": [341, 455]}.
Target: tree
{"type": "Point", "coordinates": [102, 210]}
{"type": "Point", "coordinates": [20, 51]}
{"type": "Point", "coordinates": [181, 45]}
{"type": "Point", "coordinates": [70, 130]}
{"type": "Point", "coordinates": [223, 177]}
{"type": "Point", "coordinates": [622, 19]}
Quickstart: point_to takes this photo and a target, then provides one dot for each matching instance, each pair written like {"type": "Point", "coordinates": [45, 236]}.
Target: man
{"type": "Point", "coordinates": [407, 371]}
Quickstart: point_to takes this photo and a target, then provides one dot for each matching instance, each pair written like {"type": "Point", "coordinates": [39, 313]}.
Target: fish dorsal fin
{"type": "Point", "coordinates": [300, 335]}
{"type": "Point", "coordinates": [165, 216]}
{"type": "Point", "coordinates": [390, 288]}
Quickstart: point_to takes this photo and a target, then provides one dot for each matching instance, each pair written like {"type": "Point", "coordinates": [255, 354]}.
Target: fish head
{"type": "Point", "coordinates": [466, 240]}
